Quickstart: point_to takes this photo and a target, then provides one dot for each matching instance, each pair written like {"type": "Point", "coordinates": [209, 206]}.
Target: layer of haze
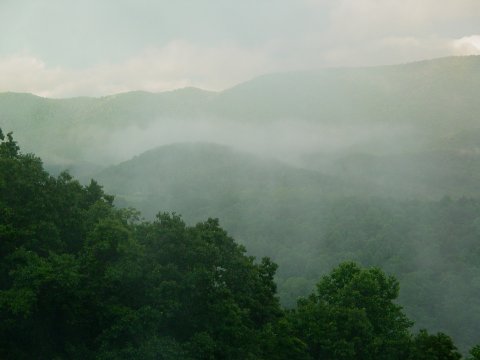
{"type": "Point", "coordinates": [286, 140]}
{"type": "Point", "coordinates": [59, 48]}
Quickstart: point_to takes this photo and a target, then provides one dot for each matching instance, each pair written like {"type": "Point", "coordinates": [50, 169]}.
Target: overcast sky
{"type": "Point", "coordinates": [63, 48]}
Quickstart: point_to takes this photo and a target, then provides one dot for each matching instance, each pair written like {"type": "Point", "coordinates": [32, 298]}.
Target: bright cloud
{"type": "Point", "coordinates": [469, 45]}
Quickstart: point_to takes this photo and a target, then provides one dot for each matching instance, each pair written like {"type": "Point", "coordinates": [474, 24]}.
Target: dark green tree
{"type": "Point", "coordinates": [434, 347]}
{"type": "Point", "coordinates": [474, 353]}
{"type": "Point", "coordinates": [353, 315]}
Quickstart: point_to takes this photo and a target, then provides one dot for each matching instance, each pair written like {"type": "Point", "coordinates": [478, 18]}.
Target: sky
{"type": "Point", "coordinates": [65, 48]}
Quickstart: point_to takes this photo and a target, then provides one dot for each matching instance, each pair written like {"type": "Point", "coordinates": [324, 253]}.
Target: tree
{"type": "Point", "coordinates": [212, 296]}
{"type": "Point", "coordinates": [474, 353]}
{"type": "Point", "coordinates": [44, 226]}
{"type": "Point", "coordinates": [352, 315]}
{"type": "Point", "coordinates": [434, 347]}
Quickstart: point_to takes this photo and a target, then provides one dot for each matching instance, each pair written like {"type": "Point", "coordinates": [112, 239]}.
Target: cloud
{"type": "Point", "coordinates": [379, 31]}
{"type": "Point", "coordinates": [27, 73]}
{"type": "Point", "coordinates": [360, 19]}
{"type": "Point", "coordinates": [397, 49]}
{"type": "Point", "coordinates": [468, 45]}
{"type": "Point", "coordinates": [178, 64]}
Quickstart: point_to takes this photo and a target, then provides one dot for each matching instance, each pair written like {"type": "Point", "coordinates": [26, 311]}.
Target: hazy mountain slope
{"type": "Point", "coordinates": [377, 109]}
{"type": "Point", "coordinates": [87, 129]}
{"type": "Point", "coordinates": [428, 174]}
{"type": "Point", "coordinates": [440, 92]}
{"type": "Point", "coordinates": [194, 178]}
{"type": "Point", "coordinates": [116, 110]}
{"type": "Point", "coordinates": [449, 165]}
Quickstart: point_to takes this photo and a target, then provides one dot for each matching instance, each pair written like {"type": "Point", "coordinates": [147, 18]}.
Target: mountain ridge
{"type": "Point", "coordinates": [411, 105]}
{"type": "Point", "coordinates": [422, 62]}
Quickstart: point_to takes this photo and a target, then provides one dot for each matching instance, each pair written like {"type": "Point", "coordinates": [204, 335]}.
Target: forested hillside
{"type": "Point", "coordinates": [199, 179]}
{"type": "Point", "coordinates": [378, 165]}
{"type": "Point", "coordinates": [429, 174]}
{"type": "Point", "coordinates": [80, 279]}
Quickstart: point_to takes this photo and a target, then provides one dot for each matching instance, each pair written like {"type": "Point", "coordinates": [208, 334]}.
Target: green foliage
{"type": "Point", "coordinates": [434, 347]}
{"type": "Point", "coordinates": [474, 353]}
{"type": "Point", "coordinates": [352, 315]}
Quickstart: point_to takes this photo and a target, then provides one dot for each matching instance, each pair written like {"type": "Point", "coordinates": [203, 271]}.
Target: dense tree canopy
{"type": "Point", "coordinates": [352, 316]}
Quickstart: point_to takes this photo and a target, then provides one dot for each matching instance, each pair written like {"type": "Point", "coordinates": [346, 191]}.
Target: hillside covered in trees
{"type": "Point", "coordinates": [378, 166]}
{"type": "Point", "coordinates": [80, 279]}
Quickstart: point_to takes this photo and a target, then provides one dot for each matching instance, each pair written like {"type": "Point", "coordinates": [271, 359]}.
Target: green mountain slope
{"type": "Point", "coordinates": [426, 174]}
{"type": "Point", "coordinates": [79, 128]}
{"type": "Point", "coordinates": [440, 92]}
{"type": "Point", "coordinates": [199, 179]}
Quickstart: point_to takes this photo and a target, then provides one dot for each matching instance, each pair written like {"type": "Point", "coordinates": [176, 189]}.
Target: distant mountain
{"type": "Point", "coordinates": [66, 131]}
{"type": "Point", "coordinates": [379, 109]}
{"type": "Point", "coordinates": [199, 180]}
{"type": "Point", "coordinates": [439, 93]}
